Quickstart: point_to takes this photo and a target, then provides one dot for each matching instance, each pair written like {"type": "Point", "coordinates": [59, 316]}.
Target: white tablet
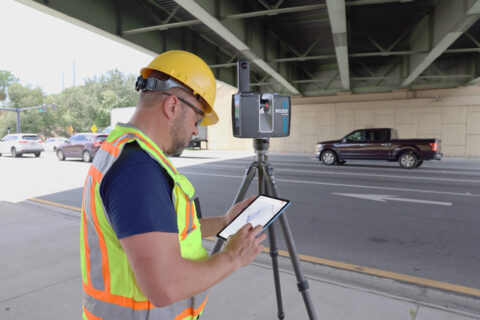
{"type": "Point", "coordinates": [262, 211]}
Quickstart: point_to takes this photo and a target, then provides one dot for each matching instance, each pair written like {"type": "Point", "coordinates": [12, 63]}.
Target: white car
{"type": "Point", "coordinates": [20, 143]}
{"type": "Point", "coordinates": [52, 143]}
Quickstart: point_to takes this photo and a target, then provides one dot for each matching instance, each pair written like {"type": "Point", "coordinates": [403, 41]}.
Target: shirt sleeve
{"type": "Point", "coordinates": [138, 199]}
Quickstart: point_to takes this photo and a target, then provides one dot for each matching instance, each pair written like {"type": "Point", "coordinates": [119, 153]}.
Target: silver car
{"type": "Point", "coordinates": [19, 143]}
{"type": "Point", "coordinates": [53, 143]}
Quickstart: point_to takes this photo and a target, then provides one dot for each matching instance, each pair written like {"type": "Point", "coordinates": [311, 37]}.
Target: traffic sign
{"type": "Point", "coordinates": [94, 128]}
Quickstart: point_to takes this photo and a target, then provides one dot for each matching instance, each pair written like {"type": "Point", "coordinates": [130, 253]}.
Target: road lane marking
{"type": "Point", "coordinates": [56, 204]}
{"type": "Point", "coordinates": [386, 197]}
{"type": "Point", "coordinates": [468, 194]}
{"type": "Point", "coordinates": [357, 174]}
{"type": "Point", "coordinates": [380, 273]}
{"type": "Point", "coordinates": [341, 265]}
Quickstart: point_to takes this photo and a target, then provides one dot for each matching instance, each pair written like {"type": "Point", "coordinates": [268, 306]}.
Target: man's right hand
{"type": "Point", "coordinates": [245, 245]}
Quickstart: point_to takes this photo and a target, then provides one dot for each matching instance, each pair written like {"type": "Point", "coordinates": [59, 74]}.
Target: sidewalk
{"type": "Point", "coordinates": [40, 279]}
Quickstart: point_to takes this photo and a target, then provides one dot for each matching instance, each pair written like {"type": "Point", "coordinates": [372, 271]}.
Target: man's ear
{"type": "Point", "coordinates": [170, 107]}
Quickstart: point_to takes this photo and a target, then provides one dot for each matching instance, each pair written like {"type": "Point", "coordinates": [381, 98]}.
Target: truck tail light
{"type": "Point", "coordinates": [434, 146]}
{"type": "Point", "coordinates": [40, 141]}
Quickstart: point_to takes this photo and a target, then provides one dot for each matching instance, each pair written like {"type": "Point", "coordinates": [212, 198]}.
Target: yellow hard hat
{"type": "Point", "coordinates": [193, 72]}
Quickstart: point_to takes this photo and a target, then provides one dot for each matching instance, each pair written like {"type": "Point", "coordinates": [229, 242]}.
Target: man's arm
{"type": "Point", "coordinates": [165, 277]}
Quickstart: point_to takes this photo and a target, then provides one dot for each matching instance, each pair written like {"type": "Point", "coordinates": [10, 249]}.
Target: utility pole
{"type": "Point", "coordinates": [42, 108]}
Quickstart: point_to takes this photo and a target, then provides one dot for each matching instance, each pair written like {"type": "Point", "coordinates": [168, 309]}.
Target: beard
{"type": "Point", "coordinates": [179, 140]}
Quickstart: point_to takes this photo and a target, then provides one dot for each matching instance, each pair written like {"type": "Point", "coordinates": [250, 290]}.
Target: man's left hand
{"type": "Point", "coordinates": [237, 208]}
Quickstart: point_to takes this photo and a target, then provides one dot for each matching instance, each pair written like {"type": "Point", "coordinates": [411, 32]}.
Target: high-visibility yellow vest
{"type": "Point", "coordinates": [110, 290]}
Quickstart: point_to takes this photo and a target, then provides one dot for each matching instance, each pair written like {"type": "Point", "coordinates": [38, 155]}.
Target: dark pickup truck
{"type": "Point", "coordinates": [379, 144]}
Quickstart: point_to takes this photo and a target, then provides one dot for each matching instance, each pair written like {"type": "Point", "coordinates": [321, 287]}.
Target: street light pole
{"type": "Point", "coordinates": [18, 121]}
{"type": "Point", "coordinates": [18, 110]}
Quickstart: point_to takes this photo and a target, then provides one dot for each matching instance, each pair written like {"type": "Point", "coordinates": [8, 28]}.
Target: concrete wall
{"type": "Point", "coordinates": [452, 115]}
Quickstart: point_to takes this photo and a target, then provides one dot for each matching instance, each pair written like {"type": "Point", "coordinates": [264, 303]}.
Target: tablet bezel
{"type": "Point", "coordinates": [269, 221]}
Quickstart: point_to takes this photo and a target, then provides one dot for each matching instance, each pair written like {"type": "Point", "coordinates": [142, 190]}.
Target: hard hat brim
{"type": "Point", "coordinates": [210, 118]}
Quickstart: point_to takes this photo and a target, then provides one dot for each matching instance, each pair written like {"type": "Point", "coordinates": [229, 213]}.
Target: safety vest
{"type": "Point", "coordinates": [110, 290]}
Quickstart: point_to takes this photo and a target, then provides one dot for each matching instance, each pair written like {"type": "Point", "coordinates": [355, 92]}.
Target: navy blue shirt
{"type": "Point", "coordinates": [137, 194]}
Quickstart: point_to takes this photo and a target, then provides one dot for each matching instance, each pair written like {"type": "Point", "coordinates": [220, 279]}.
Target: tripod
{"type": "Point", "coordinates": [267, 186]}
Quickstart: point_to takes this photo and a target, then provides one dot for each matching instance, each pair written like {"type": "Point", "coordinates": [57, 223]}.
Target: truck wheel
{"type": "Point", "coordinates": [328, 157]}
{"type": "Point", "coordinates": [37, 154]}
{"type": "Point", "coordinates": [408, 160]}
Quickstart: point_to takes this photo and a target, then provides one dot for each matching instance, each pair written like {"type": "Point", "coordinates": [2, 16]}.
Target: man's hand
{"type": "Point", "coordinates": [212, 225]}
{"type": "Point", "coordinates": [237, 208]}
{"type": "Point", "coordinates": [245, 245]}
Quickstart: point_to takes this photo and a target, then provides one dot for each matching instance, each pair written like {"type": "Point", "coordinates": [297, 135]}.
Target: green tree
{"type": "Point", "coordinates": [6, 79]}
{"type": "Point", "coordinates": [97, 97]}
{"type": "Point", "coordinates": [79, 107]}
{"type": "Point", "coordinates": [24, 96]}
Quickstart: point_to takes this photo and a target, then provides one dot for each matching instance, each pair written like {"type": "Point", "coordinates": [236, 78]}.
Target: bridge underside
{"type": "Point", "coordinates": [301, 47]}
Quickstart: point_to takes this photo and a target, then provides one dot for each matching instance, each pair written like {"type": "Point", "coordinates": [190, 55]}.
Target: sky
{"type": "Point", "coordinates": [43, 51]}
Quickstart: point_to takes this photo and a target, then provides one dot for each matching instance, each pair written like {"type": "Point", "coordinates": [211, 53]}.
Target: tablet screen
{"type": "Point", "coordinates": [262, 211]}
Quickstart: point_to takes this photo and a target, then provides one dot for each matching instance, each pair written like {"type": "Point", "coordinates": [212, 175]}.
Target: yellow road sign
{"type": "Point", "coordinates": [94, 128]}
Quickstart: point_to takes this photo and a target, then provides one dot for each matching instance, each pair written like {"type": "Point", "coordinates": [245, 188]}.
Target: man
{"type": "Point", "coordinates": [141, 249]}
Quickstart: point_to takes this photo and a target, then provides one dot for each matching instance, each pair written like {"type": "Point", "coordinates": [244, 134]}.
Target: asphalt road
{"type": "Point", "coordinates": [423, 222]}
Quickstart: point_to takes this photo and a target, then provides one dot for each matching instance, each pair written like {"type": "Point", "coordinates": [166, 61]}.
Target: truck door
{"type": "Point", "coordinates": [351, 146]}
{"type": "Point", "coordinates": [377, 145]}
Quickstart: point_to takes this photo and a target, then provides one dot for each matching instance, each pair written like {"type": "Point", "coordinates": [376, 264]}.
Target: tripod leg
{"type": "Point", "coordinates": [302, 284]}
{"type": "Point", "coordinates": [247, 179]}
{"type": "Point", "coordinates": [273, 253]}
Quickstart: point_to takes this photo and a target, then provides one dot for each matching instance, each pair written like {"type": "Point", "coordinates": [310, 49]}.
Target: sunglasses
{"type": "Point", "coordinates": [197, 110]}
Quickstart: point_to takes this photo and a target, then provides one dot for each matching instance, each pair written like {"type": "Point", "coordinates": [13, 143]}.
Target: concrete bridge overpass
{"type": "Point", "coordinates": [409, 64]}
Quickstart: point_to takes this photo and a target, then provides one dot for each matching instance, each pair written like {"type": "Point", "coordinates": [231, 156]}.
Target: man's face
{"type": "Point", "coordinates": [185, 125]}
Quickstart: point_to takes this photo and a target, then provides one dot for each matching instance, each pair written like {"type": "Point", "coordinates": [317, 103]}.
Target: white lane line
{"type": "Point", "coordinates": [357, 174]}
{"type": "Point", "coordinates": [387, 197]}
{"type": "Point", "coordinates": [468, 194]}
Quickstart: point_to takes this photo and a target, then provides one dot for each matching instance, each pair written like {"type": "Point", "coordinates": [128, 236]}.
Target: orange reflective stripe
{"type": "Point", "coordinates": [101, 239]}
{"type": "Point", "coordinates": [124, 140]}
{"type": "Point", "coordinates": [187, 219]}
{"type": "Point", "coordinates": [86, 247]}
{"type": "Point", "coordinates": [192, 209]}
{"type": "Point", "coordinates": [110, 148]}
{"type": "Point", "coordinates": [95, 174]}
{"type": "Point", "coordinates": [118, 300]}
{"type": "Point", "coordinates": [115, 140]}
{"type": "Point", "coordinates": [200, 307]}
{"type": "Point", "coordinates": [89, 315]}
{"type": "Point", "coordinates": [158, 153]}
{"type": "Point", "coordinates": [190, 312]}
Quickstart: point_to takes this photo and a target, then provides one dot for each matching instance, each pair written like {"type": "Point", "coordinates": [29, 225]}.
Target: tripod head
{"type": "Point", "coordinates": [260, 145]}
